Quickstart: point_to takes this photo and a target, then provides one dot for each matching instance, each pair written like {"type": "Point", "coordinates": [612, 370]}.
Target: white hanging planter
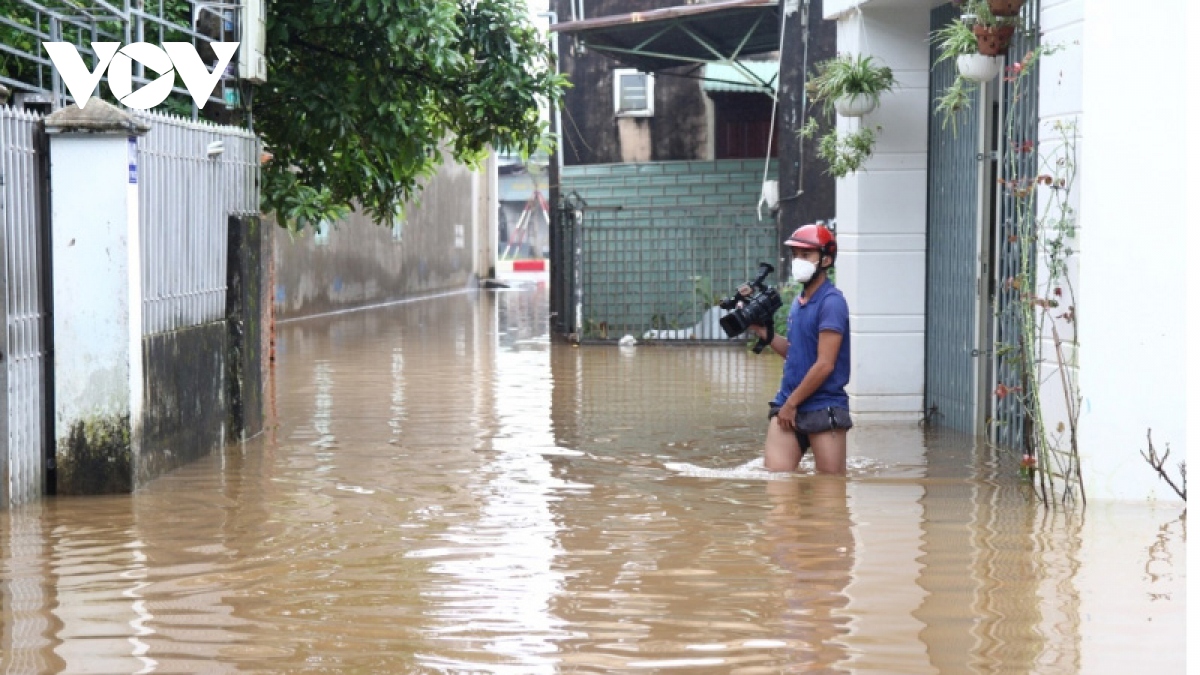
{"type": "Point", "coordinates": [979, 68]}
{"type": "Point", "coordinates": [854, 105]}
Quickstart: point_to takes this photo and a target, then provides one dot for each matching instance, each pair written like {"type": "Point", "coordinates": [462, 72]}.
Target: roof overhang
{"type": "Point", "coordinates": [715, 32]}
{"type": "Point", "coordinates": [720, 78]}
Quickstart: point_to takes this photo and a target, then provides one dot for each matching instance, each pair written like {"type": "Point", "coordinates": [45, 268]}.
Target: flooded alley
{"type": "Point", "coordinates": [443, 488]}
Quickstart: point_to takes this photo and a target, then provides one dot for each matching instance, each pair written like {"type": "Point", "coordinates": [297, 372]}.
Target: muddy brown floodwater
{"type": "Point", "coordinates": [443, 489]}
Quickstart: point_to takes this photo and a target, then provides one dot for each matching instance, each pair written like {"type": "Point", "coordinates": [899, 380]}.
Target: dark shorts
{"type": "Point", "coordinates": [815, 422]}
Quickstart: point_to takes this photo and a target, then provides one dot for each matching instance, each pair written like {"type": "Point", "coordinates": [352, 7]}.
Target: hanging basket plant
{"type": "Point", "coordinates": [979, 68]}
{"type": "Point", "coordinates": [850, 84]}
{"type": "Point", "coordinates": [993, 39]}
{"type": "Point", "coordinates": [1005, 7]}
{"type": "Point", "coordinates": [855, 105]}
{"type": "Point", "coordinates": [845, 153]}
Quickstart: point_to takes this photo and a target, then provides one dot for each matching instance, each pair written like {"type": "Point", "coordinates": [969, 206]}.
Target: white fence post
{"type": "Point", "coordinates": [96, 264]}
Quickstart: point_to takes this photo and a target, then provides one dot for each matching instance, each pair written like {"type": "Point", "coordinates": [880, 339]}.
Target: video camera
{"type": "Point", "coordinates": [759, 303]}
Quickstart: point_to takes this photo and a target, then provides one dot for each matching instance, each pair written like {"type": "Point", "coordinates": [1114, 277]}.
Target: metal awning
{"type": "Point", "coordinates": [725, 79]}
{"type": "Point", "coordinates": [715, 32]}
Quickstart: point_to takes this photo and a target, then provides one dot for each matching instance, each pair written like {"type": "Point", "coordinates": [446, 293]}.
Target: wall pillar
{"type": "Point", "coordinates": [247, 315]}
{"type": "Point", "coordinates": [881, 218]}
{"type": "Point", "coordinates": [97, 297]}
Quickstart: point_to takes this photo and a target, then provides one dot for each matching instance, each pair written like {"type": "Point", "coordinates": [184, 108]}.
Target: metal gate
{"type": "Point", "coordinates": [185, 200]}
{"type": "Point", "coordinates": [566, 221]}
{"type": "Point", "coordinates": [23, 358]}
{"type": "Point", "coordinates": [952, 264]}
{"type": "Point", "coordinates": [653, 273]}
{"type": "Point", "coordinates": [1021, 107]}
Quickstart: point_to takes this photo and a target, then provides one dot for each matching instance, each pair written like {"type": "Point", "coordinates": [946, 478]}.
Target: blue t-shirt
{"type": "Point", "coordinates": [825, 310]}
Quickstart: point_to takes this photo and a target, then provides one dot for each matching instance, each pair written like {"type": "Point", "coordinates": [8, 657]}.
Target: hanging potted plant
{"type": "Point", "coordinates": [850, 84]}
{"type": "Point", "coordinates": [993, 32]}
{"type": "Point", "coordinates": [957, 41]}
{"type": "Point", "coordinates": [1005, 7]}
{"type": "Point", "coordinates": [844, 154]}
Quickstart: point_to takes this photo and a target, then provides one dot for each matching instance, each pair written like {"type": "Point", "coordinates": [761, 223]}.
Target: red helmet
{"type": "Point", "coordinates": [814, 238]}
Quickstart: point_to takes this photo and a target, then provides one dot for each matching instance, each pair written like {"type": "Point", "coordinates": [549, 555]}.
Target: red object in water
{"type": "Point", "coordinates": [529, 265]}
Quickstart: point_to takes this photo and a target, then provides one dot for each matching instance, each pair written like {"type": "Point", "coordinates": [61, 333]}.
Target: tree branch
{"type": "Point", "coordinates": [1157, 463]}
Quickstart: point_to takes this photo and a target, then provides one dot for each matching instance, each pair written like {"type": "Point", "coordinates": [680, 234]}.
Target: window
{"type": "Point", "coordinates": [633, 93]}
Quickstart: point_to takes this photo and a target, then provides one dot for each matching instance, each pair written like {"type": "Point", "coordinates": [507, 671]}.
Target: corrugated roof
{"type": "Point", "coordinates": [726, 78]}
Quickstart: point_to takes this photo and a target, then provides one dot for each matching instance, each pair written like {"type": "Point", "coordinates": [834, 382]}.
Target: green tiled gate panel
{"type": "Point", "coordinates": [664, 269]}
{"type": "Point", "coordinates": [725, 182]}
{"type": "Point", "coordinates": [661, 242]}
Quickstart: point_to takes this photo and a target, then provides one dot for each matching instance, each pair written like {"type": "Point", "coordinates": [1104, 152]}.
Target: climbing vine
{"type": "Point", "coordinates": [1044, 349]}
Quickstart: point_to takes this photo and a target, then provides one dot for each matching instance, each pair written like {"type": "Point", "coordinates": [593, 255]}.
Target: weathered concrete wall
{"type": "Point", "coordinates": [594, 135]}
{"type": "Point", "coordinates": [362, 263]}
{"type": "Point", "coordinates": [97, 308]}
{"type": "Point", "coordinates": [249, 311]}
{"type": "Point", "coordinates": [130, 406]}
{"type": "Point", "coordinates": [184, 416]}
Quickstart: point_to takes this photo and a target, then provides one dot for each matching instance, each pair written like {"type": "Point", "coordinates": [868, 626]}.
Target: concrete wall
{"type": "Point", "coordinates": [184, 414]}
{"type": "Point", "coordinates": [98, 385]}
{"type": "Point", "coordinates": [443, 245]}
{"type": "Point", "coordinates": [881, 217]}
{"type": "Point", "coordinates": [1133, 307]}
{"type": "Point", "coordinates": [679, 129]}
{"type": "Point", "coordinates": [131, 406]}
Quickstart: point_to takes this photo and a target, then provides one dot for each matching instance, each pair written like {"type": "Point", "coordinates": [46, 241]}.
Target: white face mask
{"type": "Point", "coordinates": [803, 270]}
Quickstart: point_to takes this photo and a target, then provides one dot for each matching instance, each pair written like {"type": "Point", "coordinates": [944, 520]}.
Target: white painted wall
{"type": "Point", "coordinates": [881, 214]}
{"type": "Point", "coordinates": [1133, 269]}
{"type": "Point", "coordinates": [97, 366]}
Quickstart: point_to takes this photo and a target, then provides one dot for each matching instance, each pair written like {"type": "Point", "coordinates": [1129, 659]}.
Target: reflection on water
{"type": "Point", "coordinates": [443, 489]}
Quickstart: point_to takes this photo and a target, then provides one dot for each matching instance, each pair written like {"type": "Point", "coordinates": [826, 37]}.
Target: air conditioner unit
{"type": "Point", "coordinates": [252, 60]}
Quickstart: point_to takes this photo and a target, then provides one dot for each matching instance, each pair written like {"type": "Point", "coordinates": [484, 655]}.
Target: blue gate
{"type": "Point", "coordinates": [952, 267]}
{"type": "Point", "coordinates": [1021, 106]}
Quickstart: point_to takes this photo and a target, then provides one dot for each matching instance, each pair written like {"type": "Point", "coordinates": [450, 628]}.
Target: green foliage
{"type": "Point", "coordinates": [843, 155]}
{"type": "Point", "coordinates": [706, 296]}
{"type": "Point", "coordinates": [846, 154]}
{"type": "Point", "coordinates": [788, 291]}
{"type": "Point", "coordinates": [12, 66]}
{"type": "Point", "coordinates": [364, 96]}
{"type": "Point", "coordinates": [848, 74]}
{"type": "Point", "coordinates": [953, 40]}
{"type": "Point", "coordinates": [954, 101]}
{"type": "Point", "coordinates": [980, 12]}
{"type": "Point", "coordinates": [27, 23]}
{"type": "Point", "coordinates": [841, 76]}
{"type": "Point", "coordinates": [1041, 298]}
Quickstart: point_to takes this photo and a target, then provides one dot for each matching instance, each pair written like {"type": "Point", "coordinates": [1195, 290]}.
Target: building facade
{"type": "Point", "coordinates": [1123, 340]}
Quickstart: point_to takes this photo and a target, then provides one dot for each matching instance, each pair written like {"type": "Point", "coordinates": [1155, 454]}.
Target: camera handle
{"type": "Point", "coordinates": [762, 343]}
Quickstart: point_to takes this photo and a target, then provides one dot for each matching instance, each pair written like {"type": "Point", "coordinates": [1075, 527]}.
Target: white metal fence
{"type": "Point", "coordinates": [23, 344]}
{"type": "Point", "coordinates": [193, 176]}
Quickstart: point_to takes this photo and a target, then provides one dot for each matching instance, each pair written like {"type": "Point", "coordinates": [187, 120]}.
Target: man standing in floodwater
{"type": "Point", "coordinates": [811, 408]}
